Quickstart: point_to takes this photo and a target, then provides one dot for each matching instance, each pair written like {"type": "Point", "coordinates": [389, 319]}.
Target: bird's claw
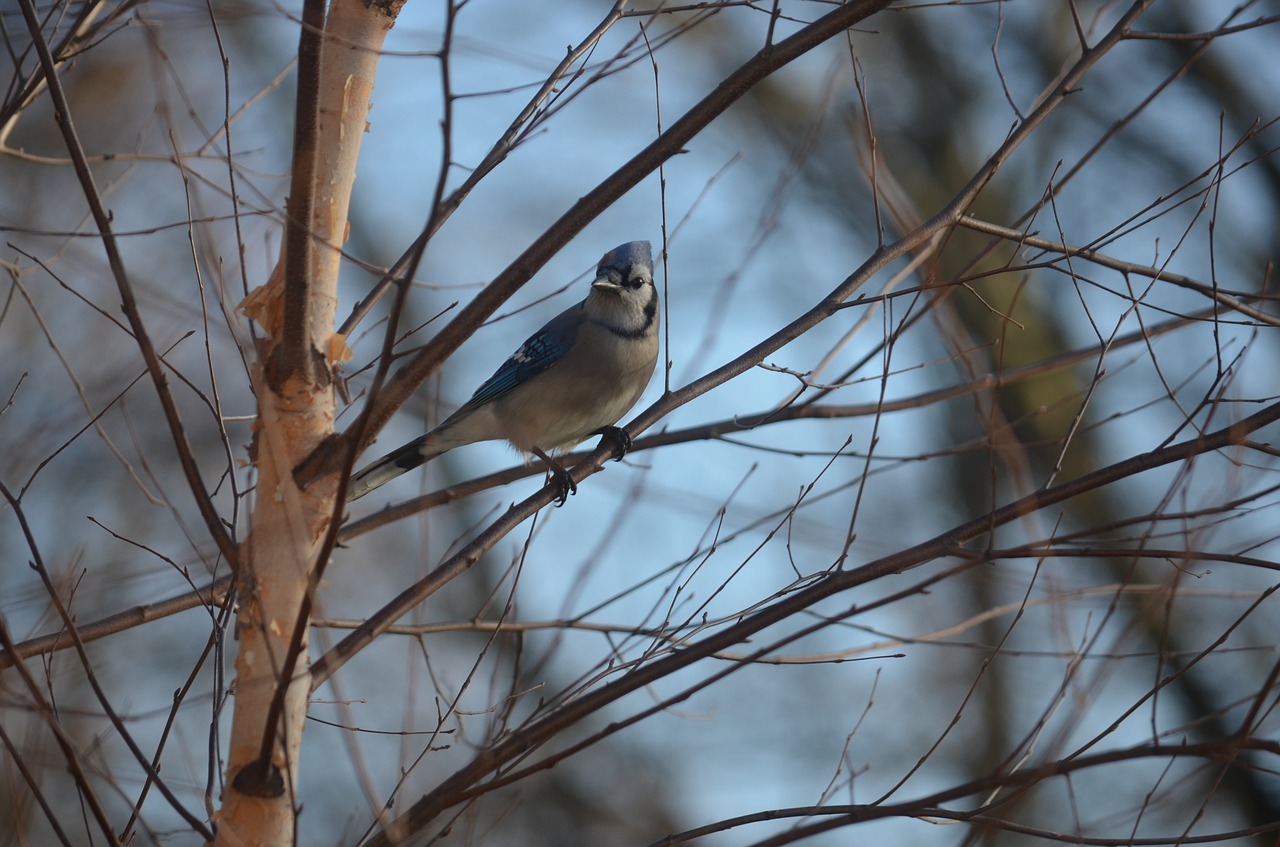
{"type": "Point", "coordinates": [560, 476]}
{"type": "Point", "coordinates": [621, 441]}
{"type": "Point", "coordinates": [564, 486]}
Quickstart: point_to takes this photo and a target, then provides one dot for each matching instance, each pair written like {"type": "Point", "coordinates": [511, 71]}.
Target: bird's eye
{"type": "Point", "coordinates": [635, 281]}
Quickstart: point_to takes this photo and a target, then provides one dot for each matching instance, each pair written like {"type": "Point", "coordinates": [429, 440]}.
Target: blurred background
{"type": "Point", "coordinates": [984, 369]}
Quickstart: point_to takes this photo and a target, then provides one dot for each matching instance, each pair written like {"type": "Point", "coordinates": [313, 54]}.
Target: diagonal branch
{"type": "Point", "coordinates": [213, 522]}
{"type": "Point", "coordinates": [466, 783]}
{"type": "Point", "coordinates": [81, 32]}
{"type": "Point", "coordinates": [442, 210]}
{"type": "Point", "coordinates": [69, 625]}
{"type": "Point", "coordinates": [64, 741]}
{"type": "Point", "coordinates": [427, 360]}
{"type": "Point", "coordinates": [836, 816]}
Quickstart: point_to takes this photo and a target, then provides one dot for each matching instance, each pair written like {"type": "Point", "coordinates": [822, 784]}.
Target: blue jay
{"type": "Point", "coordinates": [573, 378]}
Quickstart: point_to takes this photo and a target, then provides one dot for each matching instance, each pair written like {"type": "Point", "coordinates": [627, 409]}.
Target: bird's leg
{"type": "Point", "coordinates": [621, 441]}
{"type": "Point", "coordinates": [561, 476]}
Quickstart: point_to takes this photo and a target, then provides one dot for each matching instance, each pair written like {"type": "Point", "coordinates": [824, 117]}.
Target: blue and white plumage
{"type": "Point", "coordinates": [571, 379]}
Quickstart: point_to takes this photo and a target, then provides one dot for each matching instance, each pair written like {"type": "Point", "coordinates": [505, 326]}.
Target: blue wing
{"type": "Point", "coordinates": [539, 352]}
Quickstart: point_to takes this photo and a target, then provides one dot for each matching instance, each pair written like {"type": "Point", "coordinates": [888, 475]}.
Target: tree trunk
{"type": "Point", "coordinates": [296, 413]}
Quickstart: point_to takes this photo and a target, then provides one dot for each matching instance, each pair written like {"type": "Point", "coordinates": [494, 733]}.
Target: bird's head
{"type": "Point", "coordinates": [623, 295]}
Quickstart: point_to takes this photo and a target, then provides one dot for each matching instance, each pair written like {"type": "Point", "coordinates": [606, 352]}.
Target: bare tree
{"type": "Point", "coordinates": [950, 518]}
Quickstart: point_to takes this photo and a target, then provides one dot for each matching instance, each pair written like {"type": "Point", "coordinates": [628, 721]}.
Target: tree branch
{"type": "Point", "coordinates": [62, 113]}
{"type": "Point", "coordinates": [293, 355]}
{"type": "Point", "coordinates": [427, 360]}
{"type": "Point", "coordinates": [465, 783]}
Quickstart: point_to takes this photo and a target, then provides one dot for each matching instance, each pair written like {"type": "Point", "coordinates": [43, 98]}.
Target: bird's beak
{"type": "Point", "coordinates": [605, 284]}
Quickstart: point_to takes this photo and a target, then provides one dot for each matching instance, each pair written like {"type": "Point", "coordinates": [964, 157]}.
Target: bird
{"type": "Point", "coordinates": [573, 378]}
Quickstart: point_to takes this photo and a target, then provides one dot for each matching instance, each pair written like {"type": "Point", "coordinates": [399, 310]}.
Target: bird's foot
{"type": "Point", "coordinates": [618, 438]}
{"type": "Point", "coordinates": [565, 486]}
{"type": "Point", "coordinates": [560, 476]}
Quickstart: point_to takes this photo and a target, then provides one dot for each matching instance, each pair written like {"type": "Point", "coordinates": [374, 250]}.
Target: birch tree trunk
{"type": "Point", "coordinates": [296, 404]}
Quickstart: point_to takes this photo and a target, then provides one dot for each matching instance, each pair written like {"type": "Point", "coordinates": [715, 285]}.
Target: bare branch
{"type": "Point", "coordinates": [213, 522]}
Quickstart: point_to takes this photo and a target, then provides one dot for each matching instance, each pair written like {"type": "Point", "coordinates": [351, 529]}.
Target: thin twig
{"type": "Point", "coordinates": [212, 520]}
